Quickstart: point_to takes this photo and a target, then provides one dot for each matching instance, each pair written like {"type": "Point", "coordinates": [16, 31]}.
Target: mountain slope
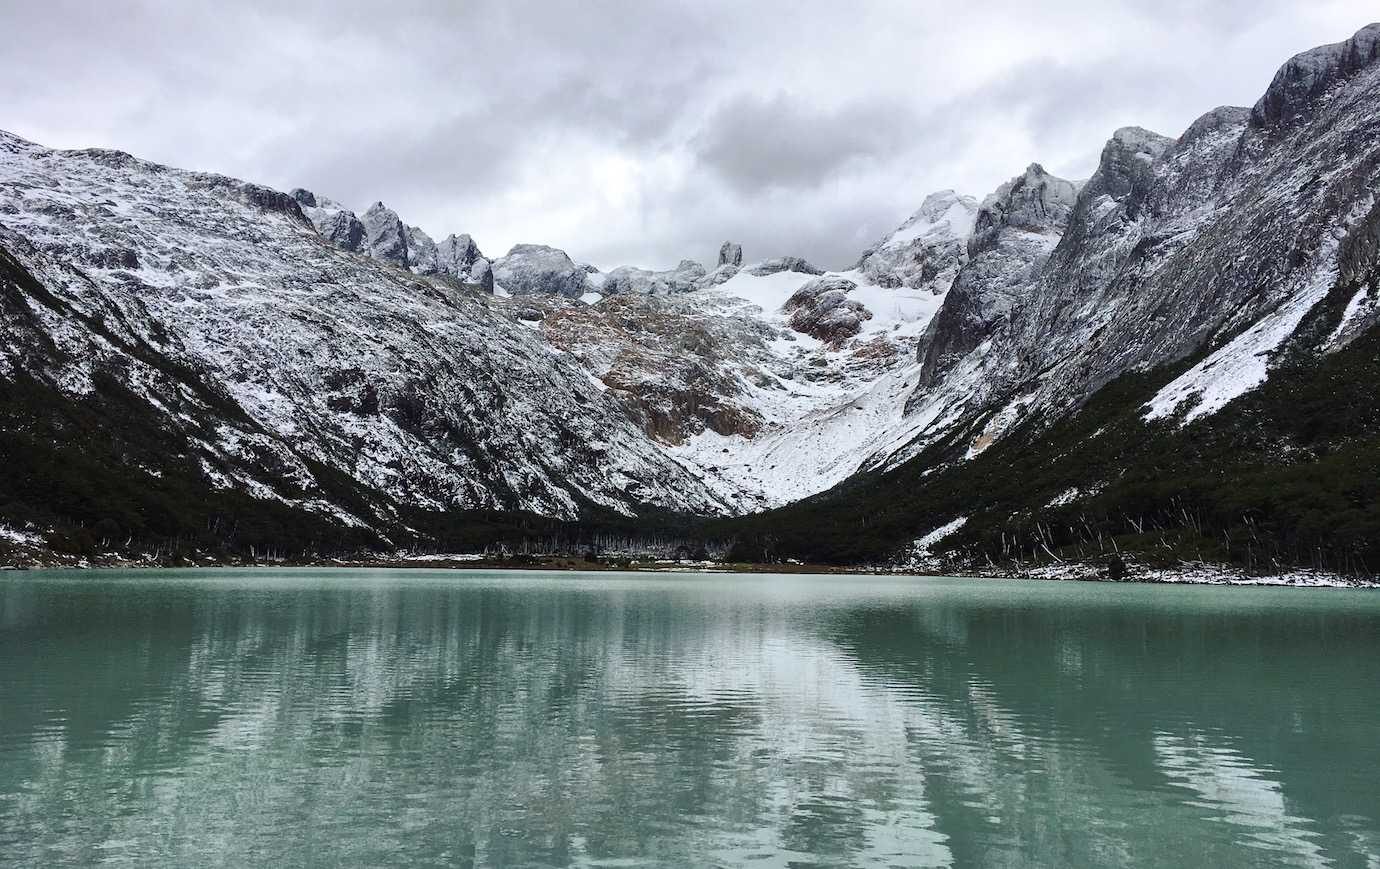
{"type": "Point", "coordinates": [774, 382]}
{"type": "Point", "coordinates": [1220, 282]}
{"type": "Point", "coordinates": [1174, 246]}
{"type": "Point", "coordinates": [414, 388]}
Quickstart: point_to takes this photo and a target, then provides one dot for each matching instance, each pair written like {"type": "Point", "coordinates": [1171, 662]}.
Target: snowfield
{"type": "Point", "coordinates": [828, 419]}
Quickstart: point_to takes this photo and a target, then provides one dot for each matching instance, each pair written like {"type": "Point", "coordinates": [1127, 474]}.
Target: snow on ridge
{"type": "Point", "coordinates": [956, 220]}
{"type": "Point", "coordinates": [892, 309]}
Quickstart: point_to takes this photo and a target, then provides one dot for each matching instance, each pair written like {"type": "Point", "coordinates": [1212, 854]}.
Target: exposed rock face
{"type": "Point", "coordinates": [457, 254]}
{"type": "Point", "coordinates": [1034, 201]}
{"type": "Point", "coordinates": [630, 279]}
{"type": "Point", "coordinates": [1125, 176]}
{"type": "Point", "coordinates": [1306, 76]}
{"type": "Point", "coordinates": [927, 251]}
{"type": "Point", "coordinates": [385, 235]}
{"type": "Point", "coordinates": [822, 309]}
{"type": "Point", "coordinates": [421, 252]}
{"type": "Point", "coordinates": [1223, 120]}
{"type": "Point", "coordinates": [720, 275]}
{"type": "Point", "coordinates": [256, 195]}
{"type": "Point", "coordinates": [459, 257]}
{"type": "Point", "coordinates": [343, 230]}
{"type": "Point", "coordinates": [482, 274]}
{"type": "Point", "coordinates": [784, 264]}
{"type": "Point", "coordinates": [335, 224]}
{"type": "Point", "coordinates": [690, 269]}
{"type": "Point", "coordinates": [731, 254]}
{"type": "Point", "coordinates": [387, 238]}
{"type": "Point", "coordinates": [1194, 167]}
{"type": "Point", "coordinates": [1358, 256]}
{"type": "Point", "coordinates": [1014, 231]}
{"type": "Point", "coordinates": [537, 268]}
{"type": "Point", "coordinates": [680, 367]}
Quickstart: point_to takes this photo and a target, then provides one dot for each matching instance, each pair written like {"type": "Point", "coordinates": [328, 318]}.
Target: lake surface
{"type": "Point", "coordinates": [455, 718]}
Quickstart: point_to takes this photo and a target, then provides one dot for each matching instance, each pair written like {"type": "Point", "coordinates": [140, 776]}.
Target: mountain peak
{"type": "Point", "coordinates": [939, 203]}
{"type": "Point", "coordinates": [926, 250]}
{"type": "Point", "coordinates": [731, 254]}
{"type": "Point", "coordinates": [386, 234]}
{"type": "Point", "coordinates": [1124, 170]}
{"type": "Point", "coordinates": [1220, 118]}
{"type": "Point", "coordinates": [1141, 139]}
{"type": "Point", "coordinates": [1307, 75]}
{"type": "Point", "coordinates": [540, 269]}
{"type": "Point", "coordinates": [1034, 200]}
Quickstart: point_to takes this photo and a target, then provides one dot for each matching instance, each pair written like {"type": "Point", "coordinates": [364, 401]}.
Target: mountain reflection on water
{"type": "Point", "coordinates": [307, 717]}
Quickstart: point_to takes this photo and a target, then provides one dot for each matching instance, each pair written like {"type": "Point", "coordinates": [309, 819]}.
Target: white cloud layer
{"type": "Point", "coordinates": [641, 132]}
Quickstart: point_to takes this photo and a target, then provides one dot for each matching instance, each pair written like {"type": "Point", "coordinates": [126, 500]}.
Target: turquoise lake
{"type": "Point", "coordinates": [466, 718]}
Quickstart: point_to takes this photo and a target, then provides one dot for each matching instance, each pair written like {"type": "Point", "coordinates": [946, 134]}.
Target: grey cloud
{"type": "Point", "coordinates": [633, 132]}
{"type": "Point", "coordinates": [758, 143]}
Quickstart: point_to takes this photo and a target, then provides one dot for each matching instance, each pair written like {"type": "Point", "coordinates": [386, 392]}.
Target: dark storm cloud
{"type": "Point", "coordinates": [639, 132]}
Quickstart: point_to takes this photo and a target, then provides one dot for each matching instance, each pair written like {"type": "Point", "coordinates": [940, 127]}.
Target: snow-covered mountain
{"type": "Point", "coordinates": [927, 251]}
{"type": "Point", "coordinates": [1179, 360]}
{"type": "Point", "coordinates": [418, 388]}
{"type": "Point", "coordinates": [1219, 242]}
{"type": "Point", "coordinates": [302, 351]}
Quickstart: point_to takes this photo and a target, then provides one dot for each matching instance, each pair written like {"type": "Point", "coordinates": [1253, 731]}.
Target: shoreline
{"type": "Point", "coordinates": [1181, 575]}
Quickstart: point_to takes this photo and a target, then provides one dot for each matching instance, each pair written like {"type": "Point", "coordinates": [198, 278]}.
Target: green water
{"type": "Point", "coordinates": [371, 718]}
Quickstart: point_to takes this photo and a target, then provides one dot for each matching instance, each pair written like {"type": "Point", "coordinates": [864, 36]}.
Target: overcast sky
{"type": "Point", "coordinates": [640, 132]}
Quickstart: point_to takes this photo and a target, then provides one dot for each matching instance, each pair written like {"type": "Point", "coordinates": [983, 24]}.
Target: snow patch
{"type": "Point", "coordinates": [956, 221]}
{"type": "Point", "coordinates": [452, 556]}
{"type": "Point", "coordinates": [1068, 496]}
{"type": "Point", "coordinates": [925, 543]}
{"type": "Point", "coordinates": [1362, 304]}
{"type": "Point", "coordinates": [22, 536]}
{"type": "Point", "coordinates": [921, 554]}
{"type": "Point", "coordinates": [1243, 364]}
